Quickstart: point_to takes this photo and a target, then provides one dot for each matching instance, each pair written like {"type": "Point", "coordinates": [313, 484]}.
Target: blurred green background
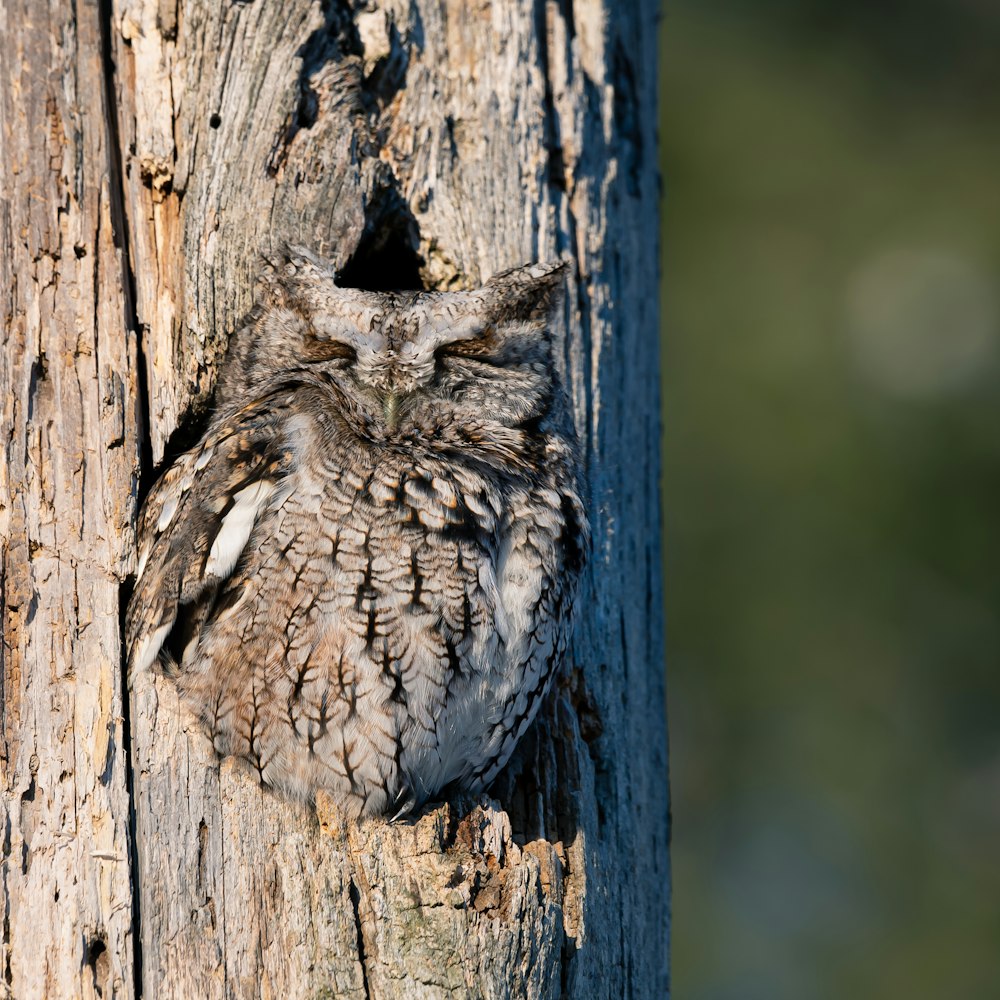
{"type": "Point", "coordinates": [831, 296]}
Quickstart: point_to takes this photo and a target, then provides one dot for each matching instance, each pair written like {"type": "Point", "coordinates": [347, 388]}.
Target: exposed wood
{"type": "Point", "coordinates": [419, 141]}
{"type": "Point", "coordinates": [68, 472]}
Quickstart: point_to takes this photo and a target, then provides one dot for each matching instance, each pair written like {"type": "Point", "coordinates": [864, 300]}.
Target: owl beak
{"type": "Point", "coordinates": [390, 408]}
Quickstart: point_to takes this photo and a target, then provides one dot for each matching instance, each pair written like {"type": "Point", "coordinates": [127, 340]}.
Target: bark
{"type": "Point", "coordinates": [68, 469]}
{"type": "Point", "coordinates": [426, 142]}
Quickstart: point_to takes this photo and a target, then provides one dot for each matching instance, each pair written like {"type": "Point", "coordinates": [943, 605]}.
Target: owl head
{"type": "Point", "coordinates": [488, 350]}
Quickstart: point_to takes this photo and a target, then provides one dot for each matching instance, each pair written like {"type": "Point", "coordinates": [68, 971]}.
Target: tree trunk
{"type": "Point", "coordinates": [426, 142]}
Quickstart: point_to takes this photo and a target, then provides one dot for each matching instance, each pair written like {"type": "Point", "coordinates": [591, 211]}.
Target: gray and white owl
{"type": "Point", "coordinates": [362, 576]}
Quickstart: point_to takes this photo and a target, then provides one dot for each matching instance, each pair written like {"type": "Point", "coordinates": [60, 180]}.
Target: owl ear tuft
{"type": "Point", "coordinates": [285, 269]}
{"type": "Point", "coordinates": [531, 291]}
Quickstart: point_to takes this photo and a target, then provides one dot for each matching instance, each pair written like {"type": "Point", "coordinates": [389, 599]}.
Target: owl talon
{"type": "Point", "coordinates": [409, 801]}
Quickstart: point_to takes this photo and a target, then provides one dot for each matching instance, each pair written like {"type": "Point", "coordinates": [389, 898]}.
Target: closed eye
{"type": "Point", "coordinates": [329, 350]}
{"type": "Point", "coordinates": [476, 347]}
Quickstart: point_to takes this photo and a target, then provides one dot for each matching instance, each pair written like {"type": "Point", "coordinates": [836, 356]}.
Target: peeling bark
{"type": "Point", "coordinates": [426, 142]}
{"type": "Point", "coordinates": [68, 473]}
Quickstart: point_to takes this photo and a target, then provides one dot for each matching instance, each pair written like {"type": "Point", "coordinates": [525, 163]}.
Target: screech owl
{"type": "Point", "coordinates": [361, 577]}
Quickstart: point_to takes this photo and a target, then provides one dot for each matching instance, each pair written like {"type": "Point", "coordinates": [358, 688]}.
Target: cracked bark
{"type": "Point", "coordinates": [67, 510]}
{"type": "Point", "coordinates": [418, 142]}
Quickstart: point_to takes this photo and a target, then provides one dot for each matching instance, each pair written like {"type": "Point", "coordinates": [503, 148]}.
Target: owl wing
{"type": "Point", "coordinates": [198, 518]}
{"type": "Point", "coordinates": [545, 543]}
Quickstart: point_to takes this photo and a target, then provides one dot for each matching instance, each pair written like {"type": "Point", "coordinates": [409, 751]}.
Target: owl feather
{"type": "Point", "coordinates": [361, 578]}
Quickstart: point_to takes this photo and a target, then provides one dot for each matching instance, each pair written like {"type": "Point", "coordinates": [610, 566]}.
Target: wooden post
{"type": "Point", "coordinates": [426, 142]}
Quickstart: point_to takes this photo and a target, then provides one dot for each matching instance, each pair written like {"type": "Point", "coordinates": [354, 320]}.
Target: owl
{"type": "Point", "coordinates": [361, 578]}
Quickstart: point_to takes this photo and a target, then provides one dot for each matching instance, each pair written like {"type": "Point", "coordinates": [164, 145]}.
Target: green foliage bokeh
{"type": "Point", "coordinates": [831, 383]}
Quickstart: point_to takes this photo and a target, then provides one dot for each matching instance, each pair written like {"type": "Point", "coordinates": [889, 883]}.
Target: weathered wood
{"type": "Point", "coordinates": [431, 141]}
{"type": "Point", "coordinates": [67, 508]}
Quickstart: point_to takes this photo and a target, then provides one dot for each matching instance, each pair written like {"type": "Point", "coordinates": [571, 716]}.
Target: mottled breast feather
{"type": "Point", "coordinates": [361, 578]}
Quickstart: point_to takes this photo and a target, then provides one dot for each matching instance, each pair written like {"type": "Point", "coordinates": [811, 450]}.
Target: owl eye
{"type": "Point", "coordinates": [318, 349]}
{"type": "Point", "coordinates": [477, 347]}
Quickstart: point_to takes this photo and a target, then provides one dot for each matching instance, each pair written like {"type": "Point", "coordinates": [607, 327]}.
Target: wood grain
{"type": "Point", "coordinates": [68, 475]}
{"type": "Point", "coordinates": [426, 142]}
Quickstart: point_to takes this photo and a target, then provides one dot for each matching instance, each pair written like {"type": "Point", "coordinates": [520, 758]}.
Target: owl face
{"type": "Point", "coordinates": [486, 352]}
